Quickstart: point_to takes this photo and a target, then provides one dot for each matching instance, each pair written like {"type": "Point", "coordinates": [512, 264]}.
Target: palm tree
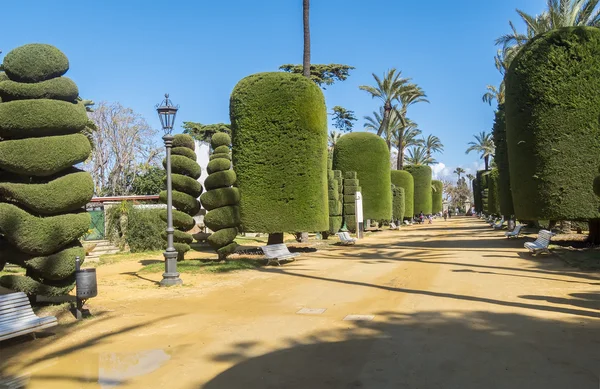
{"type": "Point", "coordinates": [403, 137]}
{"type": "Point", "coordinates": [483, 144]}
{"type": "Point", "coordinates": [458, 171]}
{"type": "Point", "coordinates": [494, 93]}
{"type": "Point", "coordinates": [306, 24]}
{"type": "Point", "coordinates": [334, 137]}
{"type": "Point", "coordinates": [388, 90]}
{"type": "Point", "coordinates": [418, 156]}
{"type": "Point", "coordinates": [433, 144]}
{"type": "Point", "coordinates": [412, 94]}
{"type": "Point", "coordinates": [470, 177]}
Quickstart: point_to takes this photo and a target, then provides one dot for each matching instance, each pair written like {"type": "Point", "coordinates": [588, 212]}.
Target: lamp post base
{"type": "Point", "coordinates": [171, 276]}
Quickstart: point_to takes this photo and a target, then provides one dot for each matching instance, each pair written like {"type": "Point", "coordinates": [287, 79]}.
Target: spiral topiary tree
{"type": "Point", "coordinates": [185, 172]}
{"type": "Point", "coordinates": [422, 178]}
{"type": "Point", "coordinates": [41, 194]}
{"type": "Point", "coordinates": [367, 155]}
{"type": "Point", "coordinates": [436, 196]}
{"type": "Point", "coordinates": [403, 179]}
{"type": "Point", "coordinates": [221, 199]}
{"type": "Point", "coordinates": [398, 203]}
{"type": "Point", "coordinates": [552, 128]}
{"type": "Point", "coordinates": [351, 186]}
{"type": "Point", "coordinates": [279, 130]}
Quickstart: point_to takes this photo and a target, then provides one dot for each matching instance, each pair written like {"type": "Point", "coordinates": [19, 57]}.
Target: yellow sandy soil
{"type": "Point", "coordinates": [455, 305]}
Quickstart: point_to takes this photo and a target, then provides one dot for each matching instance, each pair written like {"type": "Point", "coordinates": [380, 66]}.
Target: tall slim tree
{"type": "Point", "coordinates": [433, 144]}
{"type": "Point", "coordinates": [306, 23]}
{"type": "Point", "coordinates": [483, 144]}
{"type": "Point", "coordinates": [459, 171]}
{"type": "Point", "coordinates": [403, 137]}
{"type": "Point", "coordinates": [417, 156]}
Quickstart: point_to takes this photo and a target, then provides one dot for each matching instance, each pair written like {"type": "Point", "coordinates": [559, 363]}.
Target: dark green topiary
{"type": "Point", "coordinates": [60, 88]}
{"type": "Point", "coordinates": [185, 166]}
{"type": "Point", "coordinates": [221, 150]}
{"type": "Point", "coordinates": [187, 185]}
{"type": "Point", "coordinates": [181, 221]}
{"type": "Point", "coordinates": [403, 179]}
{"type": "Point", "coordinates": [398, 203]}
{"type": "Point", "coordinates": [217, 165]}
{"type": "Point", "coordinates": [477, 195]}
{"type": "Point", "coordinates": [349, 197]}
{"type": "Point", "coordinates": [41, 194]}
{"type": "Point", "coordinates": [422, 195]}
{"type": "Point", "coordinates": [493, 192]}
{"type": "Point", "coordinates": [35, 62]}
{"type": "Point", "coordinates": [334, 201]}
{"type": "Point", "coordinates": [436, 196]}
{"type": "Point", "coordinates": [221, 179]}
{"type": "Point", "coordinates": [552, 126]}
{"type": "Point", "coordinates": [220, 156]}
{"type": "Point", "coordinates": [184, 151]}
{"type": "Point", "coordinates": [223, 217]}
{"type": "Point", "coordinates": [367, 155]}
{"type": "Point", "coordinates": [482, 190]}
{"type": "Point", "coordinates": [279, 127]}
{"type": "Point", "coordinates": [220, 197]}
{"type": "Point", "coordinates": [184, 140]}
{"type": "Point", "coordinates": [501, 159]}
{"type": "Point", "coordinates": [220, 139]}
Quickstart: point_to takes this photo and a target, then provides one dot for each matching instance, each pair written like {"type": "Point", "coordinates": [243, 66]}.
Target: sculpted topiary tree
{"type": "Point", "coordinates": [422, 178]}
{"type": "Point", "coordinates": [41, 194]}
{"type": "Point", "coordinates": [398, 203]}
{"type": "Point", "coordinates": [279, 130]}
{"type": "Point", "coordinates": [493, 192]}
{"type": "Point", "coordinates": [351, 186]}
{"type": "Point", "coordinates": [482, 181]}
{"type": "Point", "coordinates": [477, 195]}
{"type": "Point", "coordinates": [403, 179]}
{"type": "Point", "coordinates": [368, 156]}
{"type": "Point", "coordinates": [436, 196]}
{"type": "Point", "coordinates": [501, 158]}
{"type": "Point", "coordinates": [185, 172]}
{"type": "Point", "coordinates": [334, 194]}
{"type": "Point", "coordinates": [221, 199]}
{"type": "Point", "coordinates": [552, 127]}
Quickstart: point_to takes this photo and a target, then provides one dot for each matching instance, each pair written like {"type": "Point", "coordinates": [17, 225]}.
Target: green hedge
{"type": "Point", "coordinates": [422, 194]}
{"type": "Point", "coordinates": [398, 203]}
{"type": "Point", "coordinates": [223, 217]}
{"type": "Point", "coordinates": [437, 196]}
{"type": "Point", "coordinates": [403, 179]}
{"type": "Point", "coordinates": [221, 197]}
{"type": "Point", "coordinates": [186, 184]}
{"type": "Point", "coordinates": [493, 193]}
{"type": "Point", "coordinates": [181, 221]}
{"type": "Point", "coordinates": [144, 230]}
{"type": "Point", "coordinates": [182, 201]}
{"type": "Point", "coordinates": [477, 195]}
{"type": "Point", "coordinates": [185, 152]}
{"type": "Point", "coordinates": [221, 179]}
{"type": "Point", "coordinates": [218, 165]}
{"type": "Point", "coordinates": [552, 127]}
{"type": "Point", "coordinates": [41, 235]}
{"type": "Point", "coordinates": [60, 88]}
{"type": "Point", "coordinates": [222, 150]}
{"type": "Point", "coordinates": [279, 127]}
{"type": "Point", "coordinates": [220, 156]}
{"type": "Point", "coordinates": [335, 224]}
{"type": "Point", "coordinates": [367, 155]}
{"type": "Point", "coordinates": [178, 236]}
{"type": "Point", "coordinates": [35, 62]}
{"type": "Point", "coordinates": [184, 140]}
{"type": "Point", "coordinates": [501, 158]}
{"type": "Point", "coordinates": [184, 166]}
{"type": "Point", "coordinates": [63, 194]}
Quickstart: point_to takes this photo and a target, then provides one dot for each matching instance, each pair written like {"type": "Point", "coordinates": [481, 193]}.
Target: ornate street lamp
{"type": "Point", "coordinates": [166, 112]}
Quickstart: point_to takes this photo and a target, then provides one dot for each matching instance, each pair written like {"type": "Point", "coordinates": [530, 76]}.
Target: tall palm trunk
{"type": "Point", "coordinates": [387, 110]}
{"type": "Point", "coordinates": [306, 58]}
{"type": "Point", "coordinates": [486, 160]}
{"type": "Point", "coordinates": [400, 163]}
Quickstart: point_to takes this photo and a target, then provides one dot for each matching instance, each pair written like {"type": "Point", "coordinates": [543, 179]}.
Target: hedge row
{"type": "Point", "coordinates": [501, 158]}
{"type": "Point", "coordinates": [399, 203]}
{"type": "Point", "coordinates": [403, 179]}
{"type": "Point", "coordinates": [422, 195]}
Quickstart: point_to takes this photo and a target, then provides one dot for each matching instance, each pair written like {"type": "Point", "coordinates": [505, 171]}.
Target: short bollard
{"type": "Point", "coordinates": [86, 286]}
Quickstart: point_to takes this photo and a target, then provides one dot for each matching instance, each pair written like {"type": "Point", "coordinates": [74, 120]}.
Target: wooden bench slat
{"type": "Point", "coordinates": [25, 323]}
{"type": "Point", "coordinates": [13, 301]}
{"type": "Point", "coordinates": [15, 316]}
{"type": "Point", "coordinates": [27, 331]}
{"type": "Point", "coordinates": [7, 308]}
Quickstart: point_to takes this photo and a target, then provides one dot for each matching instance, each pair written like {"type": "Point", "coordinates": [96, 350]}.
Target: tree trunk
{"type": "Point", "coordinates": [400, 164]}
{"type": "Point", "coordinates": [387, 108]}
{"type": "Point", "coordinates": [306, 58]}
{"type": "Point", "coordinates": [594, 237]}
{"type": "Point", "coordinates": [275, 238]}
{"type": "Point", "coordinates": [302, 237]}
{"type": "Point", "coordinates": [486, 161]}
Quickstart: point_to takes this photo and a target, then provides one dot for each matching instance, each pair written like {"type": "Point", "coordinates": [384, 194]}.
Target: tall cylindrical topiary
{"type": "Point", "coordinates": [398, 203]}
{"type": "Point", "coordinates": [552, 127]}
{"type": "Point", "coordinates": [185, 172]}
{"type": "Point", "coordinates": [335, 199]}
{"type": "Point", "coordinates": [477, 194]}
{"type": "Point", "coordinates": [41, 194]}
{"type": "Point", "coordinates": [482, 179]}
{"type": "Point", "coordinates": [493, 192]}
{"type": "Point", "coordinates": [367, 155]}
{"type": "Point", "coordinates": [403, 179]}
{"type": "Point", "coordinates": [221, 199]}
{"type": "Point", "coordinates": [279, 129]}
{"type": "Point", "coordinates": [422, 177]}
{"type": "Point", "coordinates": [501, 158]}
{"type": "Point", "coordinates": [351, 186]}
{"type": "Point", "coordinates": [436, 196]}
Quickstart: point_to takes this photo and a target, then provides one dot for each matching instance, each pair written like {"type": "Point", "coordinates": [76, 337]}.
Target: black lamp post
{"type": "Point", "coordinates": [166, 112]}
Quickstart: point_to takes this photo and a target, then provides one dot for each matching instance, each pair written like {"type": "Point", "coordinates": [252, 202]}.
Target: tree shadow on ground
{"type": "Point", "coordinates": [450, 350]}
{"type": "Point", "coordinates": [583, 300]}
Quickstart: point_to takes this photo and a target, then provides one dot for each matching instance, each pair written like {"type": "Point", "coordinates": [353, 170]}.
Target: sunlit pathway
{"type": "Point", "coordinates": [447, 305]}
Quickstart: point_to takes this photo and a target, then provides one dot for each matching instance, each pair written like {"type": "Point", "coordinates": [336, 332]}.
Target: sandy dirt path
{"type": "Point", "coordinates": [451, 305]}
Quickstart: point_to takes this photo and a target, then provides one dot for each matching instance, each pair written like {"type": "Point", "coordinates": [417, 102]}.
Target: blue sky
{"type": "Point", "coordinates": [134, 51]}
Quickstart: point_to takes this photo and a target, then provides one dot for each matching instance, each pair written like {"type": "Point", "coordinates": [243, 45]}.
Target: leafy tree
{"type": "Point", "coordinates": [151, 181]}
{"type": "Point", "coordinates": [403, 137]}
{"type": "Point", "coordinates": [483, 144]}
{"type": "Point", "coordinates": [334, 137]}
{"type": "Point", "coordinates": [343, 118]}
{"type": "Point", "coordinates": [417, 156]}
{"type": "Point", "coordinates": [433, 144]}
{"type": "Point", "coordinates": [459, 171]}
{"type": "Point", "coordinates": [322, 74]}
{"type": "Point", "coordinates": [204, 132]}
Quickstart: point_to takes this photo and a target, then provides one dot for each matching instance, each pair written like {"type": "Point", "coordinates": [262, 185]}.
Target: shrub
{"type": "Point", "coordinates": [60, 88]}
{"type": "Point", "coordinates": [280, 118]}
{"type": "Point", "coordinates": [493, 192]}
{"type": "Point", "coordinates": [367, 155]}
{"type": "Point", "coordinates": [403, 179]}
{"type": "Point", "coordinates": [501, 158]}
{"type": "Point", "coordinates": [436, 196]}
{"type": "Point", "coordinates": [35, 62]}
{"type": "Point", "coordinates": [422, 194]}
{"type": "Point", "coordinates": [184, 151]}
{"type": "Point", "coordinates": [144, 230]}
{"type": "Point", "coordinates": [349, 196]}
{"type": "Point", "coordinates": [398, 203]}
{"type": "Point", "coordinates": [184, 166]}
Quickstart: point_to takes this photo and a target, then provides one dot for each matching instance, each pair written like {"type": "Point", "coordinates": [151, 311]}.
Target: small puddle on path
{"type": "Point", "coordinates": [103, 371]}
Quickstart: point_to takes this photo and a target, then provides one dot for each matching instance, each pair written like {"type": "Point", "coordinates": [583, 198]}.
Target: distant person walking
{"type": "Point", "coordinates": [445, 214]}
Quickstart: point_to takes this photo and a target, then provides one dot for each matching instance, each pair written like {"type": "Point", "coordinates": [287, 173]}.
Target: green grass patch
{"type": "Point", "coordinates": [199, 266]}
{"type": "Point", "coordinates": [11, 270]}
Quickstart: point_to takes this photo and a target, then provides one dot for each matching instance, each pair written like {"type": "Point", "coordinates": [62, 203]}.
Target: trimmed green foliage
{"type": "Point", "coordinates": [186, 184]}
{"type": "Point", "coordinates": [222, 237]}
{"type": "Point", "coordinates": [41, 235]}
{"type": "Point", "coordinates": [436, 196]}
{"type": "Point", "coordinates": [350, 221]}
{"type": "Point", "coordinates": [422, 195]}
{"type": "Point", "coordinates": [335, 208]}
{"type": "Point", "coordinates": [43, 156]}
{"type": "Point", "coordinates": [597, 185]}
{"type": "Point", "coordinates": [60, 88]}
{"type": "Point", "coordinates": [398, 203]}
{"type": "Point", "coordinates": [337, 174]}
{"type": "Point", "coordinates": [333, 194]}
{"type": "Point", "coordinates": [403, 179]}
{"type": "Point", "coordinates": [223, 217]}
{"type": "Point", "coordinates": [178, 236]}
{"type": "Point", "coordinates": [32, 287]}
{"type": "Point", "coordinates": [220, 156]}
{"type": "Point", "coordinates": [227, 250]}
{"type": "Point", "coordinates": [349, 204]}
{"type": "Point", "coordinates": [182, 201]}
{"type": "Point", "coordinates": [218, 165]}
{"type": "Point", "coordinates": [279, 126]}
{"type": "Point", "coordinates": [482, 192]}
{"type": "Point", "coordinates": [221, 197]}
{"type": "Point", "coordinates": [493, 193]}
{"type": "Point", "coordinates": [181, 221]}
{"type": "Point", "coordinates": [501, 158]}
{"type": "Point", "coordinates": [55, 267]}
{"type": "Point", "coordinates": [221, 150]}
{"type": "Point", "coordinates": [35, 62]}
{"type": "Point", "coordinates": [349, 209]}
{"type": "Point", "coordinates": [63, 194]}
{"type": "Point", "coordinates": [351, 182]}
{"type": "Point", "coordinates": [220, 139]}
{"type": "Point", "coordinates": [350, 175]}
{"type": "Point", "coordinates": [3, 76]}
{"type": "Point", "coordinates": [349, 198]}
{"type": "Point", "coordinates": [181, 249]}
{"type": "Point", "coordinates": [351, 190]}
{"type": "Point", "coordinates": [220, 179]}
{"type": "Point", "coordinates": [477, 195]}
{"type": "Point", "coordinates": [184, 140]}
{"type": "Point", "coordinates": [368, 155]}
{"type": "Point", "coordinates": [184, 166]}
{"type": "Point", "coordinates": [335, 224]}
{"type": "Point", "coordinates": [145, 228]}
{"type": "Point", "coordinates": [552, 127]}
{"type": "Point", "coordinates": [184, 151]}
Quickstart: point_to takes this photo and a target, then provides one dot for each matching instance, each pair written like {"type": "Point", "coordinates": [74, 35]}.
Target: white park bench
{"type": "Point", "coordinates": [345, 238]}
{"type": "Point", "coordinates": [393, 226]}
{"type": "Point", "coordinates": [541, 243]}
{"type": "Point", "coordinates": [498, 225]}
{"type": "Point", "coordinates": [278, 252]}
{"type": "Point", "coordinates": [17, 317]}
{"type": "Point", "coordinates": [407, 222]}
{"type": "Point", "coordinates": [514, 233]}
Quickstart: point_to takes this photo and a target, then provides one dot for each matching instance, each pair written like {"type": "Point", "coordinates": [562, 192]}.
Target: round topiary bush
{"type": "Point", "coordinates": [398, 203]}
{"type": "Point", "coordinates": [41, 194]}
{"type": "Point", "coordinates": [501, 158]}
{"type": "Point", "coordinates": [220, 195]}
{"type": "Point", "coordinates": [436, 196]}
{"type": "Point", "coordinates": [279, 130]}
{"type": "Point", "coordinates": [422, 178]}
{"type": "Point", "coordinates": [367, 154]}
{"type": "Point", "coordinates": [552, 128]}
{"type": "Point", "coordinates": [186, 189]}
{"type": "Point", "coordinates": [403, 179]}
